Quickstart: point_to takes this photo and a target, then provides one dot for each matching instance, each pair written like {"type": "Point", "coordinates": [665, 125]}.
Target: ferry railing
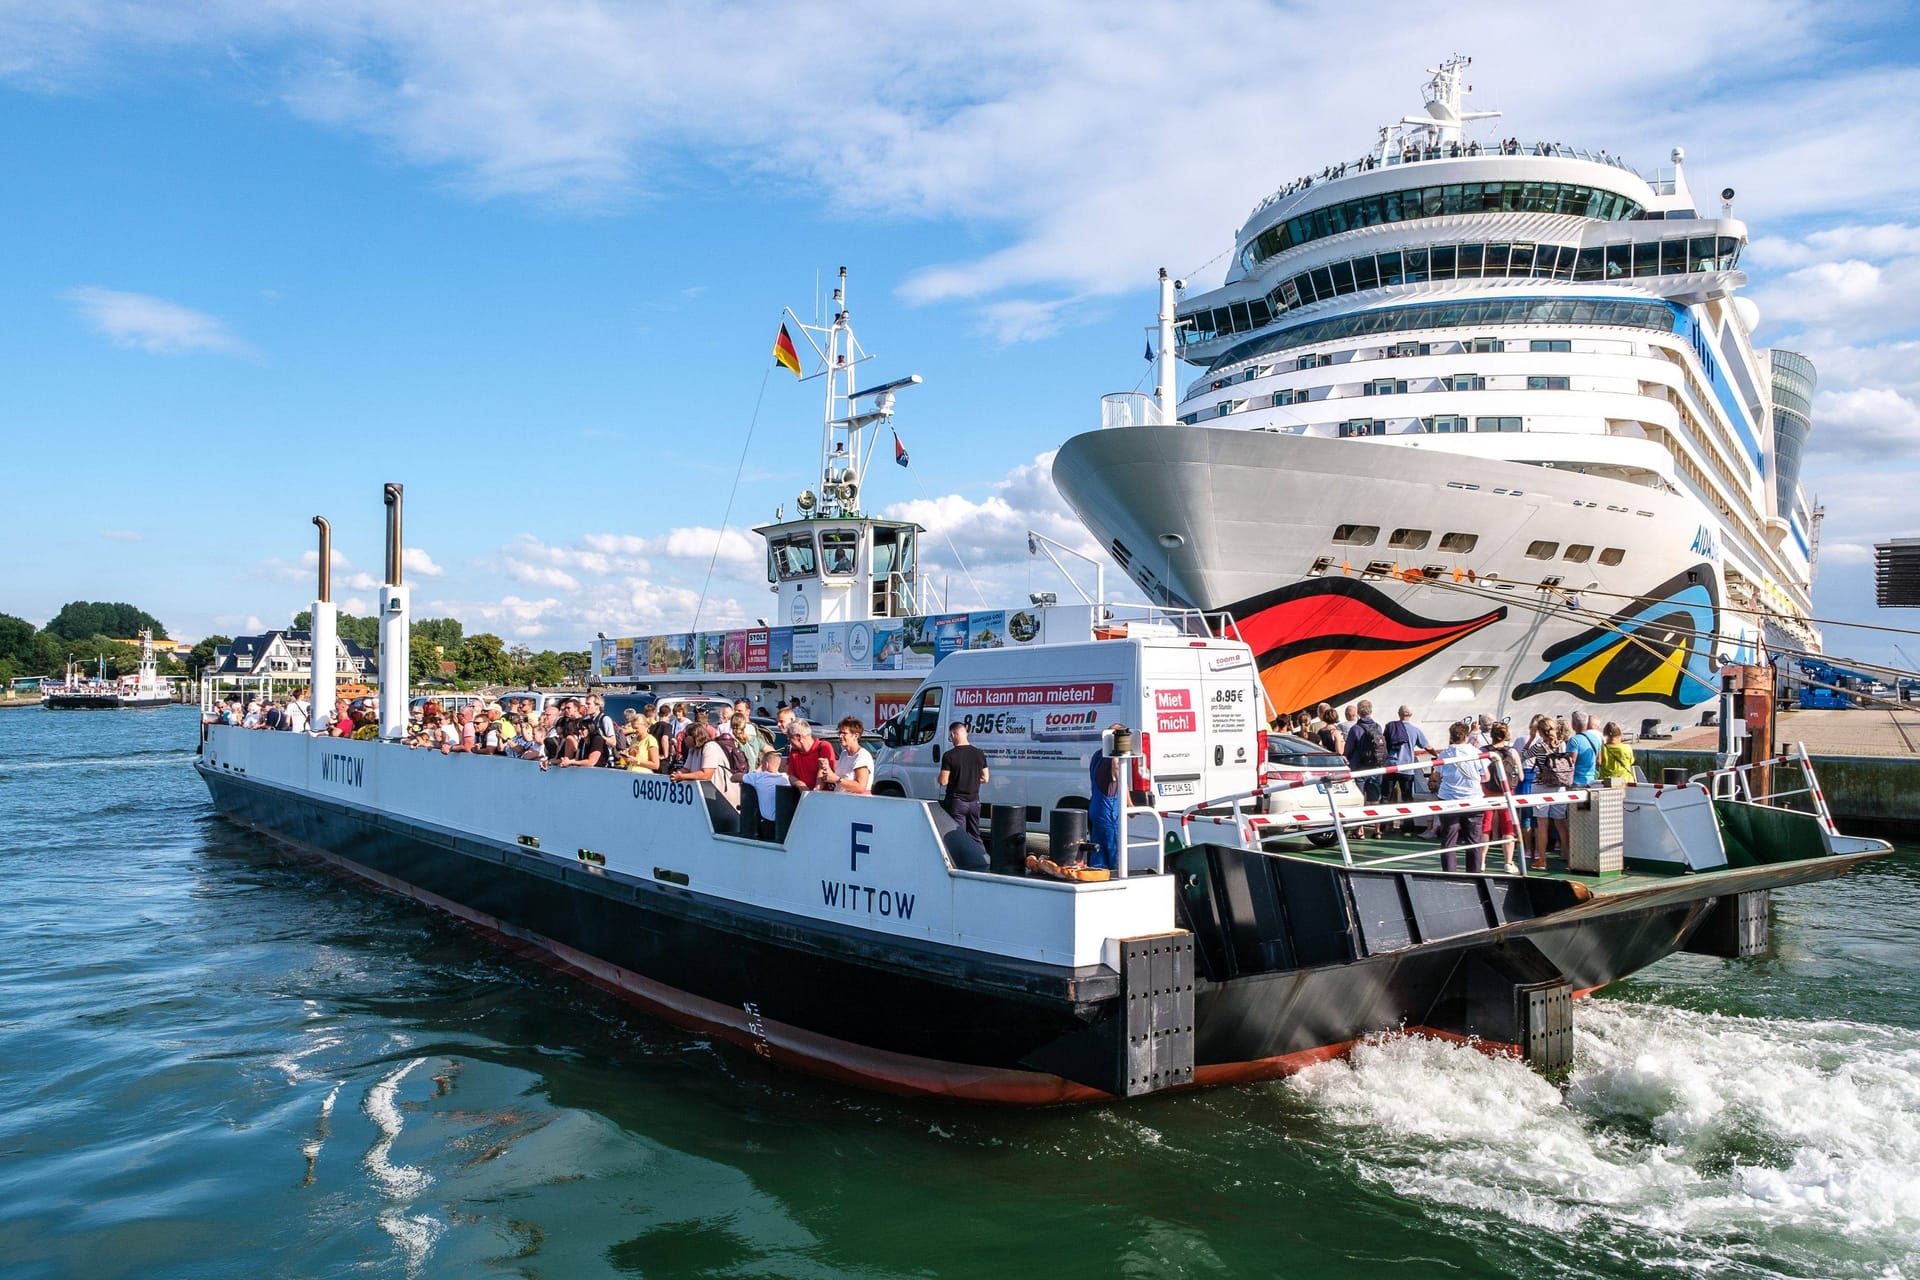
{"type": "Point", "coordinates": [1305, 821]}
{"type": "Point", "coordinates": [1131, 409]}
{"type": "Point", "coordinates": [1736, 783]}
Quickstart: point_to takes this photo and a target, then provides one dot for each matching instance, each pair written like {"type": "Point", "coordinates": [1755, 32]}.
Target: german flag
{"type": "Point", "coordinates": [784, 353]}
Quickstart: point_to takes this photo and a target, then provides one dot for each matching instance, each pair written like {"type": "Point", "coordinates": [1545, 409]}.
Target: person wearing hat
{"type": "Point", "coordinates": [253, 716]}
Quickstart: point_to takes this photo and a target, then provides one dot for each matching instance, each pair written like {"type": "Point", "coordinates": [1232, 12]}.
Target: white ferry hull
{"type": "Point", "coordinates": [1253, 511]}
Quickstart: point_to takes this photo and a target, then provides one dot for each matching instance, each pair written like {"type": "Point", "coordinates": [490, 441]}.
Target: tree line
{"type": "Point", "coordinates": [441, 649]}
{"type": "Point", "coordinates": [88, 631]}
{"type": "Point", "coordinates": [85, 631]}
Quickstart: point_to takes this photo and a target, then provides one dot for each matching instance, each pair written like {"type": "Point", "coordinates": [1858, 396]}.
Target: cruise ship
{"type": "Point", "coordinates": [1480, 426]}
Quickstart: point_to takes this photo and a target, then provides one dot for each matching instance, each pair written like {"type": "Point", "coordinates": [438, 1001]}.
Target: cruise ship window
{"type": "Point", "coordinates": [1587, 265]}
{"type": "Point", "coordinates": [1497, 255]}
{"type": "Point", "coordinates": [1390, 268]}
{"type": "Point", "coordinates": [1409, 539]}
{"type": "Point", "coordinates": [1460, 543]}
{"type": "Point", "coordinates": [1541, 550]}
{"type": "Point", "coordinates": [1619, 261]}
{"type": "Point", "coordinates": [1612, 555]}
{"type": "Point", "coordinates": [1646, 258]}
{"type": "Point", "coordinates": [1520, 260]}
{"type": "Point", "coordinates": [1470, 258]}
{"type": "Point", "coordinates": [1440, 261]}
{"type": "Point", "coordinates": [1362, 427]}
{"type": "Point", "coordinates": [1466, 382]}
{"type": "Point", "coordinates": [1550, 344]}
{"type": "Point", "coordinates": [1480, 346]}
{"type": "Point", "coordinates": [1415, 262]}
{"type": "Point", "coordinates": [1673, 257]}
{"type": "Point", "coordinates": [1343, 277]}
{"type": "Point", "coordinates": [1387, 387]}
{"type": "Point", "coordinates": [1357, 535]}
{"type": "Point", "coordinates": [1408, 349]}
{"type": "Point", "coordinates": [1496, 424]}
{"type": "Point", "coordinates": [1241, 321]}
{"type": "Point", "coordinates": [1445, 424]}
{"type": "Point", "coordinates": [1547, 384]}
{"type": "Point", "coordinates": [1366, 273]}
{"type": "Point", "coordinates": [1579, 553]}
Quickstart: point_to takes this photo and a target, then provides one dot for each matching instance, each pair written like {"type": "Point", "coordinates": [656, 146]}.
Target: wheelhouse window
{"type": "Point", "coordinates": [1540, 549]}
{"type": "Point", "coordinates": [1613, 555]}
{"type": "Point", "coordinates": [1409, 539]}
{"type": "Point", "coordinates": [1357, 535]}
{"type": "Point", "coordinates": [1579, 553]}
{"type": "Point", "coordinates": [793, 556]}
{"type": "Point", "coordinates": [840, 550]}
{"type": "Point", "coordinates": [1460, 543]}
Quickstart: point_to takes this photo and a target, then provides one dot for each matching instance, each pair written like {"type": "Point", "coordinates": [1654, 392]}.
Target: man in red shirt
{"type": "Point", "coordinates": [809, 760]}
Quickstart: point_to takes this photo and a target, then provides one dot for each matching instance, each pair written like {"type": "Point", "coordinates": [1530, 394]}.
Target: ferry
{"type": "Point", "coordinates": [1480, 426]}
{"type": "Point", "coordinates": [143, 689]}
{"type": "Point", "coordinates": [870, 939]}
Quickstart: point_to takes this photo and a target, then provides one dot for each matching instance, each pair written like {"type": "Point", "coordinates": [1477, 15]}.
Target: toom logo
{"type": "Point", "coordinates": [1057, 720]}
{"type": "Point", "coordinates": [1172, 699]}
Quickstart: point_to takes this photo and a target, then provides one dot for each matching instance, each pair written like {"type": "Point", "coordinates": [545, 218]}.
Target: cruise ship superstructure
{"type": "Point", "coordinates": [1480, 427]}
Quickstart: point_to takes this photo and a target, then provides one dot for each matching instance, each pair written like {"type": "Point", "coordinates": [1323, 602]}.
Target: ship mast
{"type": "Point", "coordinates": [845, 449]}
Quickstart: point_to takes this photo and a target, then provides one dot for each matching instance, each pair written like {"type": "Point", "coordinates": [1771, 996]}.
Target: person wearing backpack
{"type": "Point", "coordinates": [1552, 771]}
{"type": "Point", "coordinates": [1365, 750]}
{"type": "Point", "coordinates": [1585, 744]}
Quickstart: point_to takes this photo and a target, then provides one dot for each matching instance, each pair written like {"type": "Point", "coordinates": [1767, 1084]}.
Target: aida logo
{"type": "Point", "coordinates": [1703, 544]}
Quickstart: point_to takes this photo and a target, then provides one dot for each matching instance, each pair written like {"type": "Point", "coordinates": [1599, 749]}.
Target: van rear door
{"type": "Point", "coordinates": [1173, 700]}
{"type": "Point", "coordinates": [1232, 718]}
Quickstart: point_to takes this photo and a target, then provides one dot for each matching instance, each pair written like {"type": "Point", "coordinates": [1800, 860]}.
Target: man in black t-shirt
{"type": "Point", "coordinates": [963, 771]}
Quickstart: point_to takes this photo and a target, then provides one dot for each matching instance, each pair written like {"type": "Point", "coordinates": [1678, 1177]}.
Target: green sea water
{"type": "Point", "coordinates": [219, 1062]}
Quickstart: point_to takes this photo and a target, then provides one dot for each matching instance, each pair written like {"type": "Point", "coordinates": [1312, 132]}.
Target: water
{"type": "Point", "coordinates": [217, 1062]}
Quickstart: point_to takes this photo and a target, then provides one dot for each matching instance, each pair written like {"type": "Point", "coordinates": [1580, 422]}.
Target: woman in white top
{"type": "Point", "coordinates": [706, 762]}
{"type": "Point", "coordinates": [856, 762]}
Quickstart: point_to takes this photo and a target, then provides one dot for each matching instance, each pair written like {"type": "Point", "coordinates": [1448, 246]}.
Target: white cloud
{"type": "Point", "coordinates": [1832, 553]}
{"type": "Point", "coordinates": [1868, 422]}
{"type": "Point", "coordinates": [415, 560]}
{"type": "Point", "coordinates": [1089, 143]}
{"type": "Point", "coordinates": [151, 324]}
{"type": "Point", "coordinates": [239, 623]}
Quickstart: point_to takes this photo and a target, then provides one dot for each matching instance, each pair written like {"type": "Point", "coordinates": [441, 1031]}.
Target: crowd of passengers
{"type": "Point", "coordinates": [668, 738]}
{"type": "Point", "coordinates": [1481, 758]}
{"type": "Point", "coordinates": [1411, 153]}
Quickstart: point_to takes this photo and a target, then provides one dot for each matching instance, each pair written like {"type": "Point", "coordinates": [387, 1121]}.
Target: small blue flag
{"type": "Point", "coordinates": [1149, 350]}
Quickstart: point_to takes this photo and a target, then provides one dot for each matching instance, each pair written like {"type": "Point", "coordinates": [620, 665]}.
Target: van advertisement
{"type": "Point", "coordinates": [1174, 711]}
{"type": "Point", "coordinates": [1230, 712]}
{"type": "Point", "coordinates": [1061, 721]}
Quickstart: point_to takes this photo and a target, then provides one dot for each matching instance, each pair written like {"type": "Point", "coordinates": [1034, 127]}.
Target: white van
{"type": "Point", "coordinates": [1038, 714]}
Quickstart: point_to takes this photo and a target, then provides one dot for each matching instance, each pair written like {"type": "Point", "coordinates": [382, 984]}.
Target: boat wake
{"type": "Point", "coordinates": [1783, 1148]}
{"type": "Point", "coordinates": [124, 760]}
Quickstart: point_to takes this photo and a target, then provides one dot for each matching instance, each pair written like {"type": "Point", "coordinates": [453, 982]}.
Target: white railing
{"type": "Point", "coordinates": [1736, 783]}
{"type": "Point", "coordinates": [1131, 409]}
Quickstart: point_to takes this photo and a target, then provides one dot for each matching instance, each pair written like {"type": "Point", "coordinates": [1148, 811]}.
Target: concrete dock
{"type": "Point", "coordinates": [1867, 761]}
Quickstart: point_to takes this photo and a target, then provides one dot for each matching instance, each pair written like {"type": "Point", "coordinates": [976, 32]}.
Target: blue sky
{"type": "Point", "coordinates": [530, 260]}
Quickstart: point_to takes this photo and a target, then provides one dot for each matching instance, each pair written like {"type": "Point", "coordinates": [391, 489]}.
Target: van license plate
{"type": "Point", "coordinates": [1182, 787]}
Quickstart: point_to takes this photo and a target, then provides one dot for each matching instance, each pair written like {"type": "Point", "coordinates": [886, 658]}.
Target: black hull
{"type": "Point", "coordinates": [922, 1018]}
{"type": "Point", "coordinates": [112, 702]}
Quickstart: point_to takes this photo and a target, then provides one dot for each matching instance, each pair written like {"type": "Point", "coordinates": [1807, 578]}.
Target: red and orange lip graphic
{"type": "Point", "coordinates": [1326, 640]}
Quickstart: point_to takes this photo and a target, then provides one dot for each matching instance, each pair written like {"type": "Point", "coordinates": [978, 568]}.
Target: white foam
{"type": "Point", "coordinates": [399, 1181]}
{"type": "Point", "coordinates": [1701, 1129]}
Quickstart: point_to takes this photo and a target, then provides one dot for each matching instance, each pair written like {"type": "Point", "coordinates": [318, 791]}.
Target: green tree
{"type": "Point", "coordinates": [545, 669]}
{"type": "Point", "coordinates": [81, 619]}
{"type": "Point", "coordinates": [364, 632]}
{"type": "Point", "coordinates": [202, 655]}
{"type": "Point", "coordinates": [121, 659]}
{"type": "Point", "coordinates": [483, 657]}
{"type": "Point", "coordinates": [16, 638]}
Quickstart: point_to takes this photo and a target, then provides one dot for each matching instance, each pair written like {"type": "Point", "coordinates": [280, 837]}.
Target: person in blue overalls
{"type": "Point", "coordinates": [1103, 803]}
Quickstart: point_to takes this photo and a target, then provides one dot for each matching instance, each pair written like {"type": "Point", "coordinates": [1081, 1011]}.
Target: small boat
{"type": "Point", "coordinates": [143, 689]}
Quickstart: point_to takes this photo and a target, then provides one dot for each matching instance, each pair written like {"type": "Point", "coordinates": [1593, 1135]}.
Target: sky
{"type": "Point", "coordinates": [529, 260]}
